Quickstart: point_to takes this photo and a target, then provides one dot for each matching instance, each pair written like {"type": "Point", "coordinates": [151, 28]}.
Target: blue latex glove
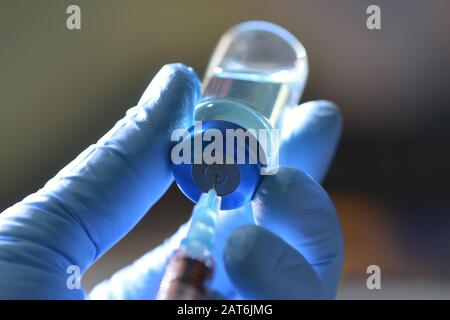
{"type": "Point", "coordinates": [289, 245]}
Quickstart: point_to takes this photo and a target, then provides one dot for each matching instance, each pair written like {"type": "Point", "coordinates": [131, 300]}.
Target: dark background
{"type": "Point", "coordinates": [60, 90]}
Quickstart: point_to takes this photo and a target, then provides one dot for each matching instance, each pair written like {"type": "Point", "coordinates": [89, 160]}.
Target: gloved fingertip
{"type": "Point", "coordinates": [324, 113]}
{"type": "Point", "coordinates": [187, 74]}
{"type": "Point", "coordinates": [177, 76]}
{"type": "Point", "coordinates": [313, 117]}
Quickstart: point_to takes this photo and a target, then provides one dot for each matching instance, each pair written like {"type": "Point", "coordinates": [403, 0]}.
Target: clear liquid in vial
{"type": "Point", "coordinates": [267, 94]}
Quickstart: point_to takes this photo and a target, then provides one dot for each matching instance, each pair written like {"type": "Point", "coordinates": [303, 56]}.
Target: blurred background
{"type": "Point", "coordinates": [61, 90]}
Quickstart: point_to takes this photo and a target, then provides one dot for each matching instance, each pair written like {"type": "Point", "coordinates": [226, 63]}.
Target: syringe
{"type": "Point", "coordinates": [191, 266]}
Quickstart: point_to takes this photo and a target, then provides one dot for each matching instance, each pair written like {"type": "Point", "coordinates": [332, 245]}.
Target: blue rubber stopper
{"type": "Point", "coordinates": [234, 182]}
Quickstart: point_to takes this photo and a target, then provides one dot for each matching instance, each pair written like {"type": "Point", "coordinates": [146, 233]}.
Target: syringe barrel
{"type": "Point", "coordinates": [185, 278]}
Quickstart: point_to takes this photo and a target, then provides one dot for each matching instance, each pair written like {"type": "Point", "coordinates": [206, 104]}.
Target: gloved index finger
{"type": "Point", "coordinates": [102, 194]}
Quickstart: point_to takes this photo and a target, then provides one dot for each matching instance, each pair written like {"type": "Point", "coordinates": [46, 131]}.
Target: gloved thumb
{"type": "Point", "coordinates": [305, 244]}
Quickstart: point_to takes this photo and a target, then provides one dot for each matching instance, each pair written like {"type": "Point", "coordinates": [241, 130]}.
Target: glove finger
{"type": "Point", "coordinates": [310, 134]}
{"type": "Point", "coordinates": [296, 208]}
{"type": "Point", "coordinates": [263, 266]}
{"type": "Point", "coordinates": [104, 192]}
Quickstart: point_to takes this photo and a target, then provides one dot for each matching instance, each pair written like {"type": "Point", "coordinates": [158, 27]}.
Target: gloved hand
{"type": "Point", "coordinates": [286, 244]}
